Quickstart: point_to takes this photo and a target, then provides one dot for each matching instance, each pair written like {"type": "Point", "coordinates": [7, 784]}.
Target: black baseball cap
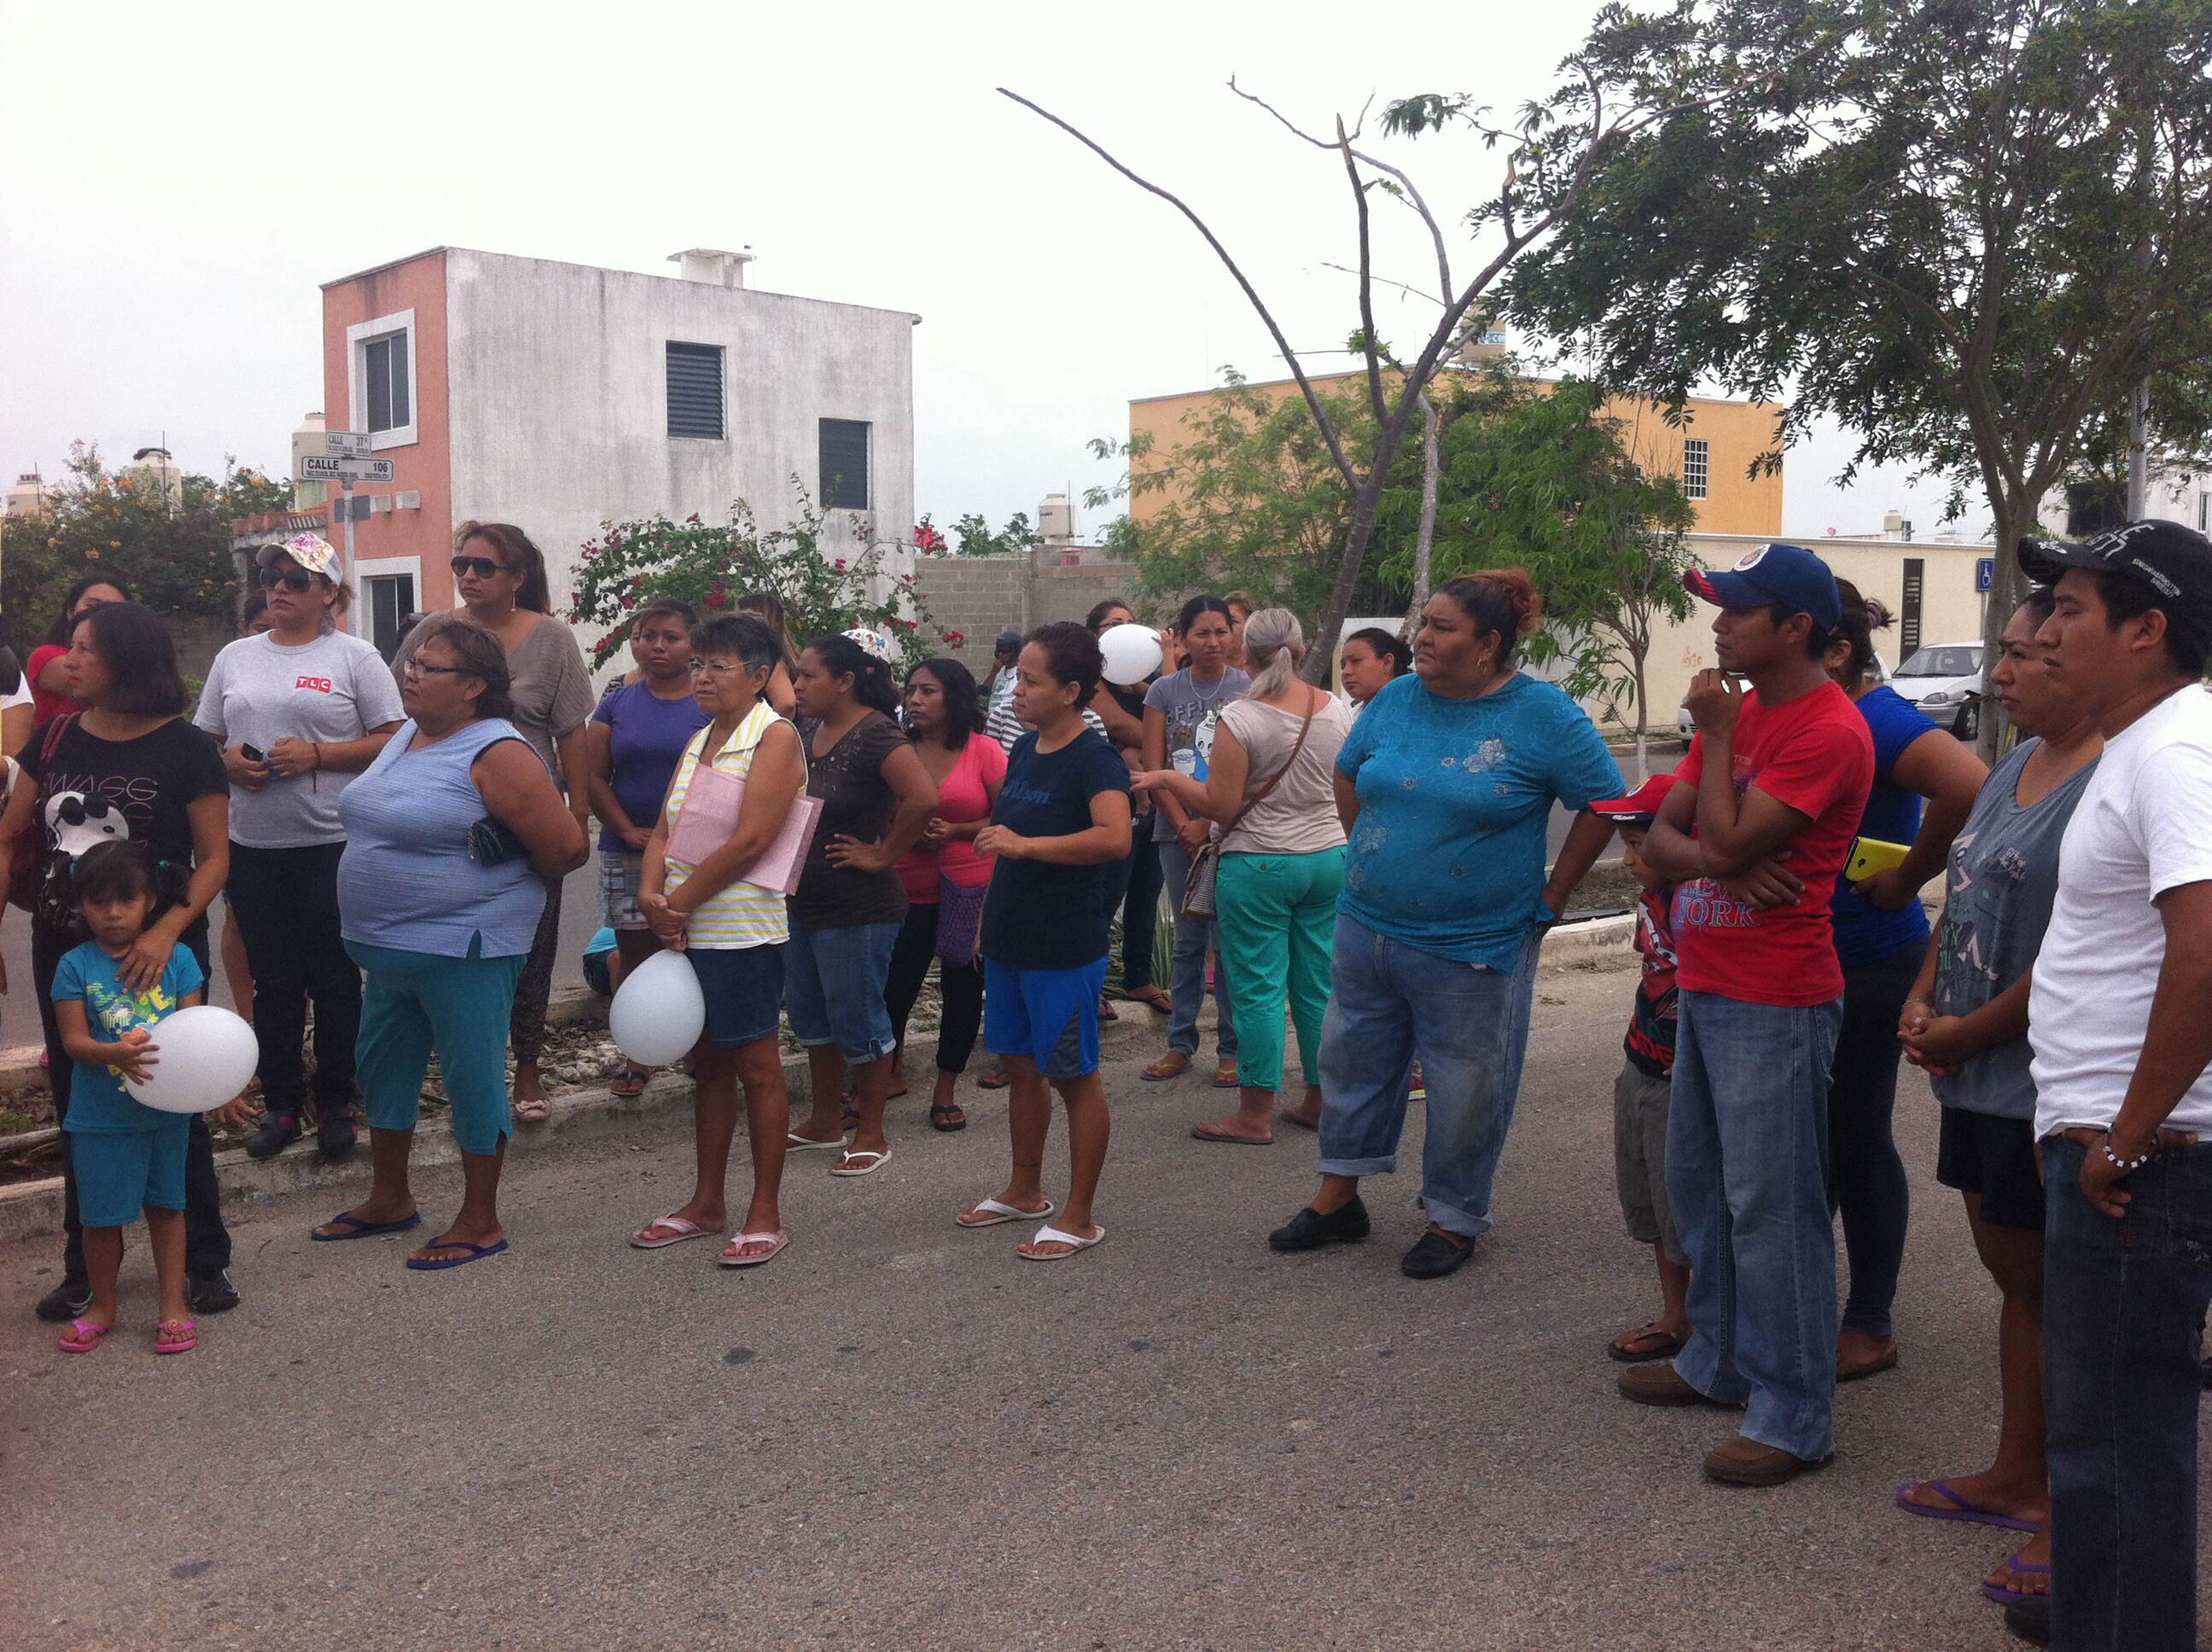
{"type": "Point", "coordinates": [2175, 562]}
{"type": "Point", "coordinates": [1009, 642]}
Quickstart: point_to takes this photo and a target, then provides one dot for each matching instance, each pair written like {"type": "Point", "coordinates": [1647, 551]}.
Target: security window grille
{"type": "Point", "coordinates": [1697, 467]}
{"type": "Point", "coordinates": [844, 465]}
{"type": "Point", "coordinates": [695, 391]}
{"type": "Point", "coordinates": [383, 363]}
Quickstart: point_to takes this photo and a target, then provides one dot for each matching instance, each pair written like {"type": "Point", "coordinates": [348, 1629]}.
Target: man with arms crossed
{"type": "Point", "coordinates": [2118, 1019]}
{"type": "Point", "coordinates": [1755, 832]}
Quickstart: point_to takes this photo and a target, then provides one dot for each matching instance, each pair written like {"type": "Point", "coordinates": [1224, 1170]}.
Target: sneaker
{"type": "Point", "coordinates": [335, 1138]}
{"type": "Point", "coordinates": [2030, 1620]}
{"type": "Point", "coordinates": [278, 1131]}
{"type": "Point", "coordinates": [1309, 1229]}
{"type": "Point", "coordinates": [211, 1293]}
{"type": "Point", "coordinates": [64, 1302]}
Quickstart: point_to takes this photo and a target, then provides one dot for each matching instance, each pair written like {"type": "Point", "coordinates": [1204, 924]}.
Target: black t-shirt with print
{"type": "Point", "coordinates": [857, 803]}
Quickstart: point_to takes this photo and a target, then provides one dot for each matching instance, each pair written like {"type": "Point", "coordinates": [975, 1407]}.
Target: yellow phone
{"type": "Point", "coordinates": [1870, 855]}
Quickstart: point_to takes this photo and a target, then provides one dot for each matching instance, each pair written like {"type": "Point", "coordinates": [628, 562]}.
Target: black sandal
{"type": "Point", "coordinates": [947, 1117]}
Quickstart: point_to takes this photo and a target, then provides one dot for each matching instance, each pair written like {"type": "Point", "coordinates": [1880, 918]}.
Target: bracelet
{"type": "Point", "coordinates": [315, 746]}
{"type": "Point", "coordinates": [2127, 1166]}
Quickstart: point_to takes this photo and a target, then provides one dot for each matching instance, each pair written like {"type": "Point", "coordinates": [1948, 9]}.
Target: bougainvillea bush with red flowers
{"type": "Point", "coordinates": [823, 587]}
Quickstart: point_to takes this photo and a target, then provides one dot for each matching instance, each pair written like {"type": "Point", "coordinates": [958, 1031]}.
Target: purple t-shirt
{"type": "Point", "coordinates": [648, 741]}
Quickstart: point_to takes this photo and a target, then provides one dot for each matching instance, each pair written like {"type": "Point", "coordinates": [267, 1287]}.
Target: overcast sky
{"type": "Point", "coordinates": [182, 177]}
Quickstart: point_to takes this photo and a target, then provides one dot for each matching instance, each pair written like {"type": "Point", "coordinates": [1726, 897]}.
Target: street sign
{"type": "Point", "coordinates": [345, 444]}
{"type": "Point", "coordinates": [1985, 573]}
{"type": "Point", "coordinates": [327, 467]}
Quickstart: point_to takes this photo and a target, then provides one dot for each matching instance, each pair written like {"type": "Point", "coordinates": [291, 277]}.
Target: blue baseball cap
{"type": "Point", "coordinates": [1788, 574]}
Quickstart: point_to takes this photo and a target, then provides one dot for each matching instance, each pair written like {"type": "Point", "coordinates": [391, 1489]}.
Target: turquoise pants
{"type": "Point", "coordinates": [1277, 920]}
{"type": "Point", "coordinates": [415, 1003]}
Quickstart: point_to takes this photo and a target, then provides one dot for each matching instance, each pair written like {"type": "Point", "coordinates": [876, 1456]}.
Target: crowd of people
{"type": "Point", "coordinates": [1367, 872]}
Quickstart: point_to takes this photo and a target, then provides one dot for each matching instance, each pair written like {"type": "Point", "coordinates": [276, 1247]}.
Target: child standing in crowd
{"type": "Point", "coordinates": [1640, 1095]}
{"type": "Point", "coordinates": [128, 1158]}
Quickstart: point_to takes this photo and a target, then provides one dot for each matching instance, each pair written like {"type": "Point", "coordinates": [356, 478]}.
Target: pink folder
{"type": "Point", "coordinates": [708, 819]}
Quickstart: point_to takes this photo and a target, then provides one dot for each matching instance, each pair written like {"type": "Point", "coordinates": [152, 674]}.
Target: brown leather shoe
{"type": "Point", "coordinates": [1660, 1385]}
{"type": "Point", "coordinates": [1748, 1462]}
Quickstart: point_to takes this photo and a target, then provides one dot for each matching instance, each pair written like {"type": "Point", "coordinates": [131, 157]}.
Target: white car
{"type": "Point", "coordinates": [1686, 726]}
{"type": "Point", "coordinates": [1944, 679]}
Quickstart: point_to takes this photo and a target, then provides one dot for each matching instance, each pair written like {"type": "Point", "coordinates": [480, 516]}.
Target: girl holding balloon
{"type": "Point", "coordinates": [732, 934]}
{"type": "Point", "coordinates": [127, 1156]}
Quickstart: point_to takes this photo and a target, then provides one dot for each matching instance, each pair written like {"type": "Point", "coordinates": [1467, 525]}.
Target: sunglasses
{"type": "Point", "coordinates": [272, 578]}
{"type": "Point", "coordinates": [483, 567]}
{"type": "Point", "coordinates": [416, 668]}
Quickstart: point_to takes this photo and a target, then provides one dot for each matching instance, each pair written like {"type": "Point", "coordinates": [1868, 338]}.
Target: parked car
{"type": "Point", "coordinates": [1686, 726]}
{"type": "Point", "coordinates": [1944, 679]}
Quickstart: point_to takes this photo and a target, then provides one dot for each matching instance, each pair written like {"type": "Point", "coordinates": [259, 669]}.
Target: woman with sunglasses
{"type": "Point", "coordinates": [298, 711]}
{"type": "Point", "coordinates": [500, 577]}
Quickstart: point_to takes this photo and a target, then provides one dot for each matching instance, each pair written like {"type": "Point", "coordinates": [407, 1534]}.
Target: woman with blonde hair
{"type": "Point", "coordinates": [1271, 787]}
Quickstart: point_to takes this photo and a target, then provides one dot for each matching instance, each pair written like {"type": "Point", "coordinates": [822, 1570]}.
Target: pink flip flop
{"type": "Point", "coordinates": [780, 1240]}
{"type": "Point", "coordinates": [83, 1336]}
{"type": "Point", "coordinates": [681, 1228]}
{"type": "Point", "coordinates": [176, 1336]}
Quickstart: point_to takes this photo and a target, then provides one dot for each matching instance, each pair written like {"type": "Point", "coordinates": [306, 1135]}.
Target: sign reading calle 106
{"type": "Point", "coordinates": [319, 467]}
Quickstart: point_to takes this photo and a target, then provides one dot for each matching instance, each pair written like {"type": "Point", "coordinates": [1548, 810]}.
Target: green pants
{"type": "Point", "coordinates": [1278, 917]}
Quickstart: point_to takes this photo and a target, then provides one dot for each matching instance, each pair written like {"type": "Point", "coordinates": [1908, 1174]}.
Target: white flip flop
{"type": "Point", "coordinates": [1048, 1235]}
{"type": "Point", "coordinates": [781, 1239]}
{"type": "Point", "coordinates": [793, 1143]}
{"type": "Point", "coordinates": [998, 1211]}
{"type": "Point", "coordinates": [844, 1167]}
{"type": "Point", "coordinates": [685, 1228]}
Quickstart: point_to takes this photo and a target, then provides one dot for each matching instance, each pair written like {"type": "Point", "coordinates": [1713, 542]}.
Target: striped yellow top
{"type": "Point", "coordinates": [742, 914]}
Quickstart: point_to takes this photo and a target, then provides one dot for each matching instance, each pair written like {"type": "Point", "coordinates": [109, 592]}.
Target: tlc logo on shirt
{"type": "Point", "coordinates": [319, 684]}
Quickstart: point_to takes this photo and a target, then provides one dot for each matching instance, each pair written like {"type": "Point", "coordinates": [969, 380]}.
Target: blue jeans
{"type": "Point", "coordinates": [1747, 1170]}
{"type": "Point", "coordinates": [1140, 910]}
{"type": "Point", "coordinates": [2124, 1302]}
{"type": "Point", "coordinates": [1471, 1025]}
{"type": "Point", "coordinates": [1193, 939]}
{"type": "Point", "coordinates": [833, 988]}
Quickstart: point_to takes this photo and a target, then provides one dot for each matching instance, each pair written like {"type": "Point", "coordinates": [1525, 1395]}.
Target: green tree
{"type": "Point", "coordinates": [1964, 228]}
{"type": "Point", "coordinates": [174, 555]}
{"type": "Point", "coordinates": [711, 565]}
{"type": "Point", "coordinates": [973, 537]}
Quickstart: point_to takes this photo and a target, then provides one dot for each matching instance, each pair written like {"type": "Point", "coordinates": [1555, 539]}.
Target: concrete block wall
{"type": "Point", "coordinates": [982, 596]}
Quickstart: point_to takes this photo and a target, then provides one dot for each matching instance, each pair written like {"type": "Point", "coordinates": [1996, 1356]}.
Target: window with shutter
{"type": "Point", "coordinates": [695, 391]}
{"type": "Point", "coordinates": [844, 465]}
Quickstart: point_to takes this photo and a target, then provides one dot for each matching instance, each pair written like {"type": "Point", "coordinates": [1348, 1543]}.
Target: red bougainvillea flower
{"type": "Point", "coordinates": [693, 518]}
{"type": "Point", "coordinates": [841, 564]}
{"type": "Point", "coordinates": [717, 600]}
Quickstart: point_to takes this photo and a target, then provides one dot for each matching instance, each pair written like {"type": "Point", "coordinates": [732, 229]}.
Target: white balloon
{"type": "Point", "coordinates": [205, 1057]}
{"type": "Point", "coordinates": [1132, 654]}
{"type": "Point", "coordinates": [660, 1012]}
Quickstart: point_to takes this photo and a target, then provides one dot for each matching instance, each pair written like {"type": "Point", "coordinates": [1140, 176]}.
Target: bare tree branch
{"type": "Point", "coordinates": [1371, 343]}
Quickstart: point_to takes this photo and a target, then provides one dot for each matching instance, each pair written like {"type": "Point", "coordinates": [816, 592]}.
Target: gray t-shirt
{"type": "Point", "coordinates": [336, 688]}
{"type": "Point", "coordinates": [2003, 878]}
{"type": "Point", "coordinates": [1192, 710]}
{"type": "Point", "coordinates": [547, 681]}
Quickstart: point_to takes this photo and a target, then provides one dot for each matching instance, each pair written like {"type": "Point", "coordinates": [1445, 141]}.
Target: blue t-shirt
{"type": "Point", "coordinates": [647, 738]}
{"type": "Point", "coordinates": [1864, 932]}
{"type": "Point", "coordinates": [1455, 798]}
{"type": "Point", "coordinates": [99, 1101]}
{"type": "Point", "coordinates": [1038, 915]}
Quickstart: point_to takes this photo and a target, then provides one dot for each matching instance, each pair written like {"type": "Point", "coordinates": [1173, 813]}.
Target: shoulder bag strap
{"type": "Point", "coordinates": [1274, 781]}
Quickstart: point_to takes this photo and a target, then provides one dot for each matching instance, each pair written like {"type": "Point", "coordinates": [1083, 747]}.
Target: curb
{"type": "Point", "coordinates": [33, 1210]}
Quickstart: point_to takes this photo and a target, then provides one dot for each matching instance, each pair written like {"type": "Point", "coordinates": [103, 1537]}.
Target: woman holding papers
{"type": "Point", "coordinates": [738, 779]}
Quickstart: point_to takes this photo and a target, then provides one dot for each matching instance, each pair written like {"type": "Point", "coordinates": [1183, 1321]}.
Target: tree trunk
{"type": "Point", "coordinates": [1320, 658]}
{"type": "Point", "coordinates": [1643, 714]}
{"type": "Point", "coordinates": [1426, 538]}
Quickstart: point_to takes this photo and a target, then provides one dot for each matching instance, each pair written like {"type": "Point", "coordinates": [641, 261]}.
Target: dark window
{"type": "Point", "coordinates": [1915, 584]}
{"type": "Point", "coordinates": [384, 364]}
{"type": "Point", "coordinates": [390, 599]}
{"type": "Point", "coordinates": [844, 464]}
{"type": "Point", "coordinates": [695, 391]}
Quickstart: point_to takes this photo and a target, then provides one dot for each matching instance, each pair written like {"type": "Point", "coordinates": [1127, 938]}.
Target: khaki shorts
{"type": "Point", "coordinates": [1639, 1158]}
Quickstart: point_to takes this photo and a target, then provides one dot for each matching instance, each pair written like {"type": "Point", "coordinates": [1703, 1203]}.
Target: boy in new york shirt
{"type": "Point", "coordinates": [1756, 831]}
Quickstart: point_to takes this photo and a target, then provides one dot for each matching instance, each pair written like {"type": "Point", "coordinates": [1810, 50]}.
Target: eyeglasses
{"type": "Point", "coordinates": [414, 667]}
{"type": "Point", "coordinates": [483, 567]}
{"type": "Point", "coordinates": [701, 668]}
{"type": "Point", "coordinates": [296, 580]}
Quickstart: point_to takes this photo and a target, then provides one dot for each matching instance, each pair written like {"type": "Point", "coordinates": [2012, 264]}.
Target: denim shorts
{"type": "Point", "coordinates": [744, 989]}
{"type": "Point", "coordinates": [120, 1173]}
{"type": "Point", "coordinates": [833, 987]}
{"type": "Point", "coordinates": [621, 872]}
{"type": "Point", "coordinates": [1049, 1017]}
{"type": "Point", "coordinates": [1994, 1157]}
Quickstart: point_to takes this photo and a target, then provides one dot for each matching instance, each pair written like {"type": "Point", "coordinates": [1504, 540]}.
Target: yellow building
{"type": "Point", "coordinates": [1711, 454]}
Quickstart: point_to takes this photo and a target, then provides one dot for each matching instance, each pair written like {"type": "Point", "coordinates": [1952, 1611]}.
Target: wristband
{"type": "Point", "coordinates": [2127, 1166]}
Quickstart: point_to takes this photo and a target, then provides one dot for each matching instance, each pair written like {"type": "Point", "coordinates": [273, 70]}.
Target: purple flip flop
{"type": "Point", "coordinates": [1962, 1507]}
{"type": "Point", "coordinates": [2005, 1597]}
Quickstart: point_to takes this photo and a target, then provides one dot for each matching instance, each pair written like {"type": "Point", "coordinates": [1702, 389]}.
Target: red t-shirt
{"type": "Point", "coordinates": [46, 707]}
{"type": "Point", "coordinates": [964, 797]}
{"type": "Point", "coordinates": [1813, 755]}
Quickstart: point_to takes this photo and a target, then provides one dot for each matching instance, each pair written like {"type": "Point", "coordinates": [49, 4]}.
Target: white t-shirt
{"type": "Point", "coordinates": [2143, 827]}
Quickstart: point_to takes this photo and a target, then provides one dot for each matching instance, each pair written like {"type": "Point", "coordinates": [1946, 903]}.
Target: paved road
{"type": "Point", "coordinates": [900, 1436]}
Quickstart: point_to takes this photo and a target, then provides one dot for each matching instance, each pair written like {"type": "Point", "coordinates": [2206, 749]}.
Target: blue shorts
{"type": "Point", "coordinates": [1049, 1017]}
{"type": "Point", "coordinates": [417, 1004]}
{"type": "Point", "coordinates": [120, 1173]}
{"type": "Point", "coordinates": [832, 986]}
{"type": "Point", "coordinates": [744, 989]}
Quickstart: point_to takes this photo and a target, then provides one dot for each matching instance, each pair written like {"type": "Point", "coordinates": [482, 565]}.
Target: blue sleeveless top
{"type": "Point", "coordinates": [407, 881]}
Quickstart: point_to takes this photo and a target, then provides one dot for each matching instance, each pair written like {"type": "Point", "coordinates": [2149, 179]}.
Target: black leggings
{"type": "Point", "coordinates": [1866, 1177]}
{"type": "Point", "coordinates": [962, 988]}
{"type": "Point", "coordinates": [286, 905]}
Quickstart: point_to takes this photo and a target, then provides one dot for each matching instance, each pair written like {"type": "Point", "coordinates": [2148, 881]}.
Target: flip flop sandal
{"type": "Point", "coordinates": [947, 1118]}
{"type": "Point", "coordinates": [536, 1111]}
{"type": "Point", "coordinates": [779, 1242]}
{"type": "Point", "coordinates": [1225, 1077]}
{"type": "Point", "coordinates": [796, 1144]}
{"type": "Point", "coordinates": [1207, 1132]}
{"type": "Point", "coordinates": [1289, 1117]}
{"type": "Point", "coordinates": [2016, 1567]}
{"type": "Point", "coordinates": [846, 1166]}
{"type": "Point", "coordinates": [360, 1229]}
{"type": "Point", "coordinates": [1051, 1236]}
{"type": "Point", "coordinates": [682, 1227]}
{"type": "Point", "coordinates": [1171, 1066]}
{"type": "Point", "coordinates": [438, 1265]}
{"type": "Point", "coordinates": [176, 1336]}
{"type": "Point", "coordinates": [630, 1082]}
{"type": "Point", "coordinates": [1650, 1343]}
{"type": "Point", "coordinates": [996, 1078]}
{"type": "Point", "coordinates": [997, 1211]}
{"type": "Point", "coordinates": [83, 1337]}
{"type": "Point", "coordinates": [1874, 1367]}
{"type": "Point", "coordinates": [1961, 1508]}
{"type": "Point", "coordinates": [1152, 997]}
{"type": "Point", "coordinates": [1107, 1011]}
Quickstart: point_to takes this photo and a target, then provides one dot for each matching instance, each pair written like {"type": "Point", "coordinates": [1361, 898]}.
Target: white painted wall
{"type": "Point", "coordinates": [558, 396]}
{"type": "Point", "coordinates": [2183, 496]}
